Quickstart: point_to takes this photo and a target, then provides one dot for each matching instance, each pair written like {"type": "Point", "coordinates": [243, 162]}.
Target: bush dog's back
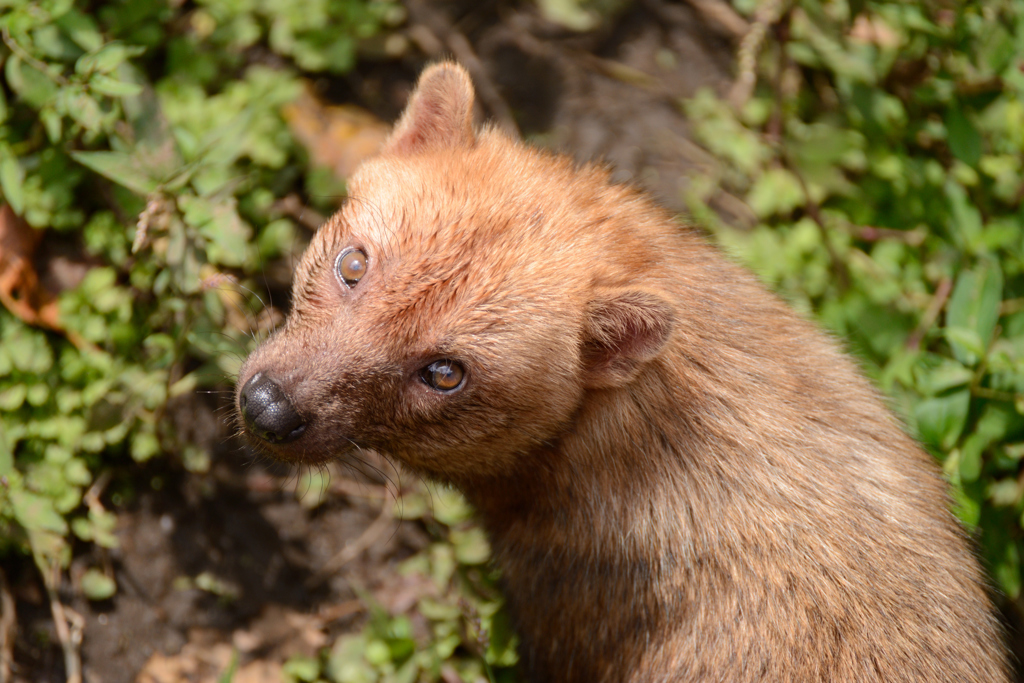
{"type": "Point", "coordinates": [682, 480]}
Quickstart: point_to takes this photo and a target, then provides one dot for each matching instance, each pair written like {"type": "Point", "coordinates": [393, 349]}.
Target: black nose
{"type": "Point", "coordinates": [267, 412]}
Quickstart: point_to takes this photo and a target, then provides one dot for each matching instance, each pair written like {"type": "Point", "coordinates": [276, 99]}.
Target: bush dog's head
{"type": "Point", "coordinates": [455, 313]}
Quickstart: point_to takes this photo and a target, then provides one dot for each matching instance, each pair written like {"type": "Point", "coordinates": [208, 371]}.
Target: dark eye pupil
{"type": "Point", "coordinates": [443, 375]}
{"type": "Point", "coordinates": [352, 266]}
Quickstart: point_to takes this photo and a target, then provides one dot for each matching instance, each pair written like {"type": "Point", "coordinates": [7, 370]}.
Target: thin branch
{"type": "Point", "coordinates": [8, 629]}
{"type": "Point", "coordinates": [485, 87]}
{"type": "Point", "coordinates": [1011, 306]}
{"type": "Point", "coordinates": [435, 29]}
{"type": "Point", "coordinates": [814, 211]}
{"type": "Point", "coordinates": [293, 207]}
{"type": "Point", "coordinates": [354, 549]}
{"type": "Point", "coordinates": [750, 47]}
{"type": "Point", "coordinates": [357, 489]}
{"type": "Point", "coordinates": [871, 233]}
{"type": "Point", "coordinates": [36, 64]}
{"type": "Point", "coordinates": [721, 15]}
{"type": "Point", "coordinates": [92, 496]}
{"type": "Point", "coordinates": [69, 625]}
{"type": "Point", "coordinates": [993, 394]}
{"type": "Point", "coordinates": [931, 314]}
{"type": "Point", "coordinates": [340, 611]}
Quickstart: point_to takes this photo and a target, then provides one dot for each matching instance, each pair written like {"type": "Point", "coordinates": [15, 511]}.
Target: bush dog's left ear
{"type": "Point", "coordinates": [623, 330]}
{"type": "Point", "coordinates": [439, 113]}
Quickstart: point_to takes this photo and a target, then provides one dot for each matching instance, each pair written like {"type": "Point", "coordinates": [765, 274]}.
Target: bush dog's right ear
{"type": "Point", "coordinates": [624, 329]}
{"type": "Point", "coordinates": [439, 113]}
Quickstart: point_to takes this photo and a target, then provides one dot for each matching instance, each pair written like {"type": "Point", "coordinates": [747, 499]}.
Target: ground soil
{"type": "Point", "coordinates": [233, 560]}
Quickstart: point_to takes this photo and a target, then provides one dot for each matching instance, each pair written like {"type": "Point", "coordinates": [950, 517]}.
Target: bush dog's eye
{"type": "Point", "coordinates": [351, 266]}
{"type": "Point", "coordinates": [443, 375]}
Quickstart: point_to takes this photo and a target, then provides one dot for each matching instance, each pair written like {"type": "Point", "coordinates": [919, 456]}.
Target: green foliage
{"type": "Point", "coordinates": [458, 624]}
{"type": "Point", "coordinates": [580, 15]}
{"type": "Point", "coordinates": [148, 133]}
{"type": "Point", "coordinates": [881, 157]}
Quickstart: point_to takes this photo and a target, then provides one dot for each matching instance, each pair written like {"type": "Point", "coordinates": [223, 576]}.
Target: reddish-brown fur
{"type": "Point", "coordinates": [682, 480]}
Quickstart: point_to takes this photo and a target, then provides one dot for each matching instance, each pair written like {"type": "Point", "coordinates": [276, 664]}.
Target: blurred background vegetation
{"type": "Point", "coordinates": [158, 158]}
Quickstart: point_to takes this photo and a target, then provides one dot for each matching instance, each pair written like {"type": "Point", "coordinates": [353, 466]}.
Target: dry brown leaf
{"type": "Point", "coordinates": [874, 30]}
{"type": "Point", "coordinates": [399, 593]}
{"type": "Point", "coordinates": [339, 137]}
{"type": "Point", "coordinates": [203, 661]}
{"type": "Point", "coordinates": [282, 633]}
{"type": "Point", "coordinates": [229, 291]}
{"type": "Point", "coordinates": [21, 289]}
{"type": "Point", "coordinates": [193, 664]}
{"type": "Point", "coordinates": [259, 671]}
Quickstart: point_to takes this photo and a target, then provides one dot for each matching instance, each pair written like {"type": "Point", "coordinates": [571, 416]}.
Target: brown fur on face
{"type": "Point", "coordinates": [682, 480]}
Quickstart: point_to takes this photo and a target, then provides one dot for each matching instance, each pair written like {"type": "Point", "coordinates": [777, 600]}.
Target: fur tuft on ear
{"type": "Point", "coordinates": [624, 329]}
{"type": "Point", "coordinates": [439, 113]}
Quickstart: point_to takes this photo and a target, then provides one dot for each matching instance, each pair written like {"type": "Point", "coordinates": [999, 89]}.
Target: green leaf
{"type": "Point", "coordinates": [107, 58]}
{"type": "Point", "coordinates": [776, 191]}
{"type": "Point", "coordinates": [83, 108]}
{"type": "Point", "coordinates": [346, 662]}
{"type": "Point", "coordinates": [442, 564]}
{"type": "Point", "coordinates": [1007, 570]}
{"type": "Point", "coordinates": [410, 505]}
{"type": "Point", "coordinates": [31, 85]}
{"type": "Point", "coordinates": [82, 29]}
{"type": "Point", "coordinates": [436, 610]}
{"type": "Point", "coordinates": [998, 422]}
{"type": "Point", "coordinates": [966, 506]}
{"type": "Point", "coordinates": [13, 397]}
{"type": "Point", "coordinates": [502, 650]}
{"type": "Point", "coordinates": [38, 394]}
{"type": "Point", "coordinates": [218, 221]}
{"type": "Point", "coordinates": [967, 344]}
{"type": "Point", "coordinates": [97, 527]}
{"type": "Point", "coordinates": [970, 457]}
{"type": "Point", "coordinates": [1005, 492]}
{"type": "Point", "coordinates": [974, 309]}
{"type": "Point", "coordinates": [399, 638]}
{"type": "Point", "coordinates": [450, 508]}
{"type": "Point", "coordinates": [377, 652]}
{"type": "Point", "coordinates": [122, 168]}
{"type": "Point", "coordinates": [35, 512]}
{"type": "Point", "coordinates": [105, 85]}
{"type": "Point", "coordinates": [12, 180]}
{"type": "Point", "coordinates": [965, 218]}
{"type": "Point", "coordinates": [716, 126]}
{"type": "Point", "coordinates": [940, 420]}
{"type": "Point", "coordinates": [29, 351]}
{"type": "Point", "coordinates": [144, 446]}
{"type": "Point", "coordinates": [312, 487]}
{"type": "Point", "coordinates": [49, 549]}
{"type": "Point", "coordinates": [97, 586]}
{"type": "Point", "coordinates": [568, 13]}
{"type": "Point", "coordinates": [228, 675]}
{"type": "Point", "coordinates": [946, 375]}
{"type": "Point", "coordinates": [302, 668]}
{"type": "Point", "coordinates": [52, 122]}
{"type": "Point", "coordinates": [964, 139]}
{"type": "Point", "coordinates": [471, 546]}
{"type": "Point", "coordinates": [76, 472]}
{"type": "Point", "coordinates": [6, 452]}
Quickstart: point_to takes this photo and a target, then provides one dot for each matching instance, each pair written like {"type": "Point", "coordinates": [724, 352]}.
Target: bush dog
{"type": "Point", "coordinates": [682, 479]}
